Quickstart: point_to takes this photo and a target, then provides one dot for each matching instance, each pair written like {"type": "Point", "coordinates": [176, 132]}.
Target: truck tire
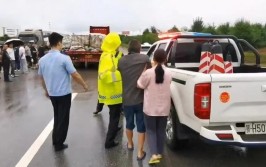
{"type": "Point", "coordinates": [172, 128]}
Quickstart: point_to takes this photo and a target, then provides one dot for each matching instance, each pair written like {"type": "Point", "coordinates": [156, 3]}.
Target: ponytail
{"type": "Point", "coordinates": [159, 74]}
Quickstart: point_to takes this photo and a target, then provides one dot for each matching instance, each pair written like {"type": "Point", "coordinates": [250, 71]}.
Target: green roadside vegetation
{"type": "Point", "coordinates": [251, 59]}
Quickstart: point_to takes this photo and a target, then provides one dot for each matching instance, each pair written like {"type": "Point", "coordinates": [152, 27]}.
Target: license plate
{"type": "Point", "coordinates": [255, 128]}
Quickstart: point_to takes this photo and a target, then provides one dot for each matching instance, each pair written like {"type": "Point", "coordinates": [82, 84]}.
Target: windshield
{"type": "Point", "coordinates": [28, 38]}
{"type": "Point", "coordinates": [145, 48]}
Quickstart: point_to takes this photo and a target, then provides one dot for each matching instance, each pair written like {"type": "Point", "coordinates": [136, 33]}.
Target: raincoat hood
{"type": "Point", "coordinates": [111, 42]}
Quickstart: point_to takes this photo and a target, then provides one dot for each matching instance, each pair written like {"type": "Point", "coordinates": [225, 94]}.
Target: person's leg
{"type": "Point", "coordinates": [55, 129]}
{"type": "Point", "coordinates": [161, 125]}
{"type": "Point", "coordinates": [99, 107]}
{"type": "Point", "coordinates": [6, 67]}
{"type": "Point", "coordinates": [13, 67]}
{"type": "Point", "coordinates": [64, 104]}
{"type": "Point", "coordinates": [24, 68]}
{"type": "Point", "coordinates": [113, 124]}
{"type": "Point", "coordinates": [17, 64]}
{"type": "Point", "coordinates": [150, 123]}
{"type": "Point", "coordinates": [140, 128]}
{"type": "Point", "coordinates": [129, 114]}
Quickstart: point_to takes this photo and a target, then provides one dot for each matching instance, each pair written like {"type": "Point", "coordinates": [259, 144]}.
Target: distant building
{"type": "Point", "coordinates": [11, 32]}
{"type": "Point", "coordinates": [126, 33]}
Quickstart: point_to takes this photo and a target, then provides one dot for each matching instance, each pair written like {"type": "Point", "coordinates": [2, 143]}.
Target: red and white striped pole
{"type": "Point", "coordinates": [217, 61]}
{"type": "Point", "coordinates": [205, 58]}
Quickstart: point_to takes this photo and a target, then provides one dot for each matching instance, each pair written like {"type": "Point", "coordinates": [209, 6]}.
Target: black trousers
{"type": "Point", "coordinates": [61, 106]}
{"type": "Point", "coordinates": [114, 116]}
{"type": "Point", "coordinates": [28, 58]}
{"type": "Point", "coordinates": [6, 67]}
{"type": "Point", "coordinates": [13, 66]}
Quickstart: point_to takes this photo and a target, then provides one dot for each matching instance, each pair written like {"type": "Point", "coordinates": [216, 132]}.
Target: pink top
{"type": "Point", "coordinates": [157, 97]}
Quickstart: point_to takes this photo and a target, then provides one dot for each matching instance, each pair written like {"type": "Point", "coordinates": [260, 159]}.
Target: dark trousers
{"type": "Point", "coordinates": [155, 130]}
{"type": "Point", "coordinates": [6, 67]}
{"type": "Point", "coordinates": [17, 61]}
{"type": "Point", "coordinates": [28, 58]}
{"type": "Point", "coordinates": [61, 106]}
{"type": "Point", "coordinates": [13, 66]}
{"type": "Point", "coordinates": [1, 66]}
{"type": "Point", "coordinates": [114, 116]}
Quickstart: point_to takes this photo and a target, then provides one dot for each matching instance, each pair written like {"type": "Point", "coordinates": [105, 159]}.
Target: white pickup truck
{"type": "Point", "coordinates": [220, 108]}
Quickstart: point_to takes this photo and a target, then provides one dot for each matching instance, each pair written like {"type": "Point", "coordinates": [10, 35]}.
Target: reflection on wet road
{"type": "Point", "coordinates": [25, 112]}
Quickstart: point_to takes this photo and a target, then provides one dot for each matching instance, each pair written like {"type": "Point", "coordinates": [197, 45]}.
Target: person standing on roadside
{"type": "Point", "coordinates": [28, 56]}
{"type": "Point", "coordinates": [23, 62]}
{"type": "Point", "coordinates": [6, 63]}
{"type": "Point", "coordinates": [1, 57]}
{"type": "Point", "coordinates": [157, 100]}
{"type": "Point", "coordinates": [11, 54]}
{"type": "Point", "coordinates": [131, 66]}
{"type": "Point", "coordinates": [55, 70]}
{"type": "Point", "coordinates": [110, 86]}
{"type": "Point", "coordinates": [34, 54]}
{"type": "Point", "coordinates": [99, 106]}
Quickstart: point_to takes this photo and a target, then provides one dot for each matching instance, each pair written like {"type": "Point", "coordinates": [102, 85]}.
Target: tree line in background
{"type": "Point", "coordinates": [254, 33]}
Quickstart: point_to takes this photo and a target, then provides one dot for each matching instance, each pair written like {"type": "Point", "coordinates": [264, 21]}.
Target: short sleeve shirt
{"type": "Point", "coordinates": [56, 69]}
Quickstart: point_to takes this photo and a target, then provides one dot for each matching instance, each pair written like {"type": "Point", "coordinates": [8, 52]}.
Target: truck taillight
{"type": "Point", "coordinates": [202, 100]}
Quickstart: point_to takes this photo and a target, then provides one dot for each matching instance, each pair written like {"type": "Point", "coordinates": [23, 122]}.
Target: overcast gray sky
{"type": "Point", "coordinates": [133, 15]}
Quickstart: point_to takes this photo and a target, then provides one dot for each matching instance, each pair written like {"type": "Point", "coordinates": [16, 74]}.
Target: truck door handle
{"type": "Point", "coordinates": [263, 88]}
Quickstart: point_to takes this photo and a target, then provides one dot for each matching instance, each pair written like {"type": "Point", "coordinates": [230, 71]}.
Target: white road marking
{"type": "Point", "coordinates": [32, 151]}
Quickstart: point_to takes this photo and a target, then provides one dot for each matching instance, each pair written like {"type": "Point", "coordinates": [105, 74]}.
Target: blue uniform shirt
{"type": "Point", "coordinates": [56, 68]}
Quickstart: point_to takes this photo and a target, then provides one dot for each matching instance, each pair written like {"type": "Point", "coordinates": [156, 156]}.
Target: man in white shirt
{"type": "Point", "coordinates": [11, 54]}
{"type": "Point", "coordinates": [23, 62]}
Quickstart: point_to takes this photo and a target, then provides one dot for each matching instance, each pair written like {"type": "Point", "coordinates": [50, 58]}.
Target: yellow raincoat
{"type": "Point", "coordinates": [109, 78]}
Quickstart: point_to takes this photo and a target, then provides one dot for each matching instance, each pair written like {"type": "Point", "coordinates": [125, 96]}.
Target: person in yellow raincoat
{"type": "Point", "coordinates": [110, 85]}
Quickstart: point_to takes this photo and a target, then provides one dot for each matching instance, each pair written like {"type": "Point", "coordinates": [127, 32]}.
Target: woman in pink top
{"type": "Point", "coordinates": [156, 84]}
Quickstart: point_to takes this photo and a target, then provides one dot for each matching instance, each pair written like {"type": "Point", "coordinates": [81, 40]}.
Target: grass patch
{"type": "Point", "coordinates": [251, 59]}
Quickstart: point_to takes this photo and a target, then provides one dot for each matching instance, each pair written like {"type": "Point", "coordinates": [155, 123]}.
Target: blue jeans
{"type": "Point", "coordinates": [135, 111]}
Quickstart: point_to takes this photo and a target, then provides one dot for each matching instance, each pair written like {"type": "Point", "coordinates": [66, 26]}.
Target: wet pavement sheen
{"type": "Point", "coordinates": [25, 112]}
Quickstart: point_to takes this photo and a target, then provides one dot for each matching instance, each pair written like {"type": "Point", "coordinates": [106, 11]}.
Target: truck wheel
{"type": "Point", "coordinates": [172, 126]}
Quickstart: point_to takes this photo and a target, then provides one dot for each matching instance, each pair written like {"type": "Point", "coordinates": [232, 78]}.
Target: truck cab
{"type": "Point", "coordinates": [220, 108]}
{"type": "Point", "coordinates": [30, 35]}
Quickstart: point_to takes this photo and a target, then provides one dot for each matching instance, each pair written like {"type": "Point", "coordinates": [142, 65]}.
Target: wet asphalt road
{"type": "Point", "coordinates": [25, 112]}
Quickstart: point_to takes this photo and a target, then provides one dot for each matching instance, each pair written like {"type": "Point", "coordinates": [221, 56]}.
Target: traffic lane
{"type": "Point", "coordinates": [24, 112]}
{"type": "Point", "coordinates": [87, 134]}
{"type": "Point", "coordinates": [86, 146]}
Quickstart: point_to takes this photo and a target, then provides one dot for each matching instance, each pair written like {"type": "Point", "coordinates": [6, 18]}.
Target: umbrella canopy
{"type": "Point", "coordinates": [16, 42]}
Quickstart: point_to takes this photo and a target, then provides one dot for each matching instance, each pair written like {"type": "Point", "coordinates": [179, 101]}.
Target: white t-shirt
{"type": "Point", "coordinates": [22, 54]}
{"type": "Point", "coordinates": [11, 53]}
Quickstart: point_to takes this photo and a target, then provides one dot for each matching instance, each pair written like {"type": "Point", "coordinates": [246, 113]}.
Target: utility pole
{"type": "Point", "coordinates": [49, 26]}
{"type": "Point", "coordinates": [4, 31]}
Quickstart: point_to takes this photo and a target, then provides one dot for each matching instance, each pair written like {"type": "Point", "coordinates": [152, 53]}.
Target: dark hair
{"type": "Point", "coordinates": [134, 46]}
{"type": "Point", "coordinates": [55, 38]}
{"type": "Point", "coordinates": [159, 57]}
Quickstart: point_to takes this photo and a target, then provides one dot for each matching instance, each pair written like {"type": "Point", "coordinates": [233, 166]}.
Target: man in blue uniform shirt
{"type": "Point", "coordinates": [55, 70]}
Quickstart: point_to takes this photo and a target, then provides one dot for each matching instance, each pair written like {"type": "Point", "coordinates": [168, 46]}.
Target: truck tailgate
{"type": "Point", "coordinates": [238, 97]}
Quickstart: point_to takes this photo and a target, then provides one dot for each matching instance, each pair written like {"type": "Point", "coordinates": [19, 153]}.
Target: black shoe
{"type": "Point", "coordinates": [8, 81]}
{"type": "Point", "coordinates": [96, 112]}
{"type": "Point", "coordinates": [60, 147]}
{"type": "Point", "coordinates": [115, 143]}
